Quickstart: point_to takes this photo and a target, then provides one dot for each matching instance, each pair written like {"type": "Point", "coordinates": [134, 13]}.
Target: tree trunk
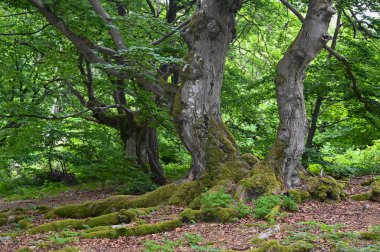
{"type": "Point", "coordinates": [288, 147]}
{"type": "Point", "coordinates": [313, 124]}
{"type": "Point", "coordinates": [140, 144]}
{"type": "Point", "coordinates": [312, 130]}
{"type": "Point", "coordinates": [196, 109]}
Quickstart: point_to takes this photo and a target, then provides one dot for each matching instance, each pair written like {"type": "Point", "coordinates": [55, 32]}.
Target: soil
{"type": "Point", "coordinates": [348, 215]}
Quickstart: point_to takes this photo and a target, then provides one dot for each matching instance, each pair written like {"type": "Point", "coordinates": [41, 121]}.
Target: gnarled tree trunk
{"type": "Point", "coordinates": [141, 147]}
{"type": "Point", "coordinates": [196, 109]}
{"type": "Point", "coordinates": [288, 148]}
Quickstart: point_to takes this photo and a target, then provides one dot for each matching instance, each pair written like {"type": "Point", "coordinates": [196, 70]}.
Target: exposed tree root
{"type": "Point", "coordinates": [123, 216]}
{"type": "Point", "coordinates": [125, 209]}
{"type": "Point", "coordinates": [139, 230]}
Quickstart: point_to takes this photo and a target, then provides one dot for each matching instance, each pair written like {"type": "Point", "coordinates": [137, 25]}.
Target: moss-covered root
{"type": "Point", "coordinates": [176, 194]}
{"type": "Point", "coordinates": [325, 188]}
{"type": "Point", "coordinates": [137, 230]}
{"type": "Point", "coordinates": [218, 214]}
{"type": "Point", "coordinates": [262, 182]}
{"type": "Point", "coordinates": [124, 216]}
{"type": "Point", "coordinates": [274, 246]}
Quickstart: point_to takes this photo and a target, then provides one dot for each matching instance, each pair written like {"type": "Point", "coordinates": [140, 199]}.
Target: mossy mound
{"type": "Point", "coordinates": [262, 182]}
{"type": "Point", "coordinates": [275, 246]}
{"type": "Point", "coordinates": [325, 188]}
{"type": "Point", "coordinates": [136, 231]}
{"type": "Point", "coordinates": [361, 197]}
{"type": "Point", "coordinates": [175, 194]}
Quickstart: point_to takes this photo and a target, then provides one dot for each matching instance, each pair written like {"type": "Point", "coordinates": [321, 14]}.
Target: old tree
{"type": "Point", "coordinates": [131, 65]}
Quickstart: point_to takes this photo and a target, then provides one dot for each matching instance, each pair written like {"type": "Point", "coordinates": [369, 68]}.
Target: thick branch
{"type": "Point", "coordinates": [114, 32]}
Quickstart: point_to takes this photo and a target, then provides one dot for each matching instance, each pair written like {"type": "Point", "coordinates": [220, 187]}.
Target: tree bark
{"type": "Point", "coordinates": [140, 145]}
{"type": "Point", "coordinates": [288, 147]}
{"type": "Point", "coordinates": [196, 109]}
{"type": "Point", "coordinates": [313, 124]}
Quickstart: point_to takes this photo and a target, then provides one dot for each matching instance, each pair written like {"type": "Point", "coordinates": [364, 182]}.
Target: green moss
{"type": "Point", "coordinates": [324, 188]}
{"type": "Point", "coordinates": [361, 196]}
{"type": "Point", "coordinates": [370, 236]}
{"type": "Point", "coordinates": [169, 193]}
{"type": "Point", "coordinates": [262, 182]}
{"type": "Point", "coordinates": [96, 229]}
{"type": "Point", "coordinates": [68, 249]}
{"type": "Point", "coordinates": [274, 246]}
{"type": "Point", "coordinates": [305, 195]}
{"type": "Point", "coordinates": [271, 216]}
{"type": "Point", "coordinates": [3, 221]}
{"type": "Point", "coordinates": [24, 224]}
{"type": "Point", "coordinates": [137, 230]}
{"type": "Point", "coordinates": [218, 214]}
{"type": "Point", "coordinates": [124, 216]}
{"type": "Point", "coordinates": [24, 249]}
{"type": "Point", "coordinates": [185, 194]}
{"type": "Point", "coordinates": [368, 182]}
{"type": "Point", "coordinates": [43, 209]}
{"type": "Point", "coordinates": [190, 215]}
{"type": "Point", "coordinates": [296, 195]}
{"type": "Point", "coordinates": [250, 159]}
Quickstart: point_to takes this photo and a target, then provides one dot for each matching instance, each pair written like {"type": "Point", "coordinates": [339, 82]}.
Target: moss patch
{"type": "Point", "coordinates": [250, 159]}
{"type": "Point", "coordinates": [370, 236]}
{"type": "Point", "coordinates": [298, 195]}
{"type": "Point", "coordinates": [218, 214]}
{"type": "Point", "coordinates": [137, 230]}
{"type": "Point", "coordinates": [361, 196]}
{"type": "Point", "coordinates": [275, 246]}
{"type": "Point", "coordinates": [262, 182]}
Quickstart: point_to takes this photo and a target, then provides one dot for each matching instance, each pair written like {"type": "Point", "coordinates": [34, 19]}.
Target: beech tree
{"type": "Point", "coordinates": [192, 90]}
{"type": "Point", "coordinates": [288, 148]}
{"type": "Point", "coordinates": [196, 106]}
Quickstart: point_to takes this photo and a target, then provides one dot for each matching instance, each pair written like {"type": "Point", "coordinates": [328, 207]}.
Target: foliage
{"type": "Point", "coordinates": [353, 162]}
{"type": "Point", "coordinates": [265, 204]}
{"type": "Point", "coordinates": [211, 200]}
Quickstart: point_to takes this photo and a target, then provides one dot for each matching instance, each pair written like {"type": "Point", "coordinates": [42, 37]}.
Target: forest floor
{"type": "Point", "coordinates": [330, 226]}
